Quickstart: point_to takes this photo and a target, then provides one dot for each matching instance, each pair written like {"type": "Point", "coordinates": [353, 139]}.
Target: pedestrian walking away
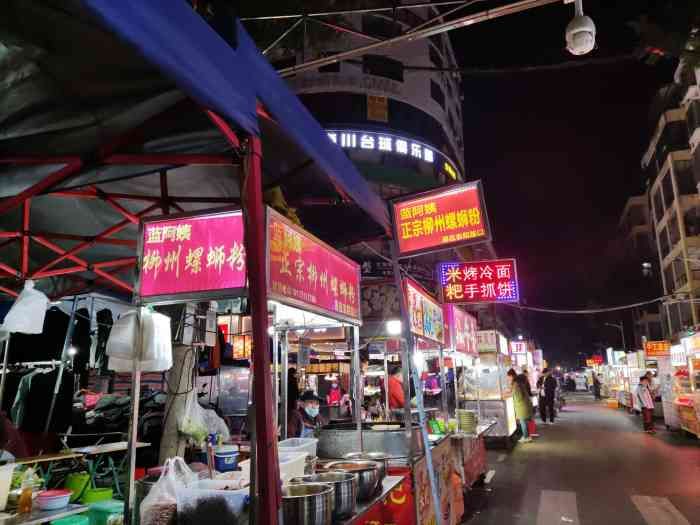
{"type": "Point", "coordinates": [547, 386]}
{"type": "Point", "coordinates": [646, 401]}
{"type": "Point", "coordinates": [596, 387]}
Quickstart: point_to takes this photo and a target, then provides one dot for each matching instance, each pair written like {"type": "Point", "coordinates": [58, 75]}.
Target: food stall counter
{"type": "Point", "coordinates": [364, 514]}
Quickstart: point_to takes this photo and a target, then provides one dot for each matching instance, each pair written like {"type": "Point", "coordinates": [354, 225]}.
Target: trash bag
{"type": "Point", "coordinates": [191, 422]}
{"type": "Point", "coordinates": [160, 506]}
{"type": "Point", "coordinates": [26, 316]}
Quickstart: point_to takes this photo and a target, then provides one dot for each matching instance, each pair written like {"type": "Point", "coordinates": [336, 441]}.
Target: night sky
{"type": "Point", "coordinates": [559, 153]}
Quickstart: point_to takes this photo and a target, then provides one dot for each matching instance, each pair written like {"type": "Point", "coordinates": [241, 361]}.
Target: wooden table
{"type": "Point", "coordinates": [41, 516]}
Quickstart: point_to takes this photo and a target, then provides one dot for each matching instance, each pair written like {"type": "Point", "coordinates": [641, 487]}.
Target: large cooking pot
{"type": "Point", "coordinates": [345, 487]}
{"type": "Point", "coordinates": [307, 504]}
{"type": "Point", "coordinates": [337, 440]}
{"type": "Point", "coordinates": [379, 457]}
{"type": "Point", "coordinates": [367, 473]}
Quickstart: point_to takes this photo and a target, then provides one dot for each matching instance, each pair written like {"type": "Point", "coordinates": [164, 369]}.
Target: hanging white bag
{"type": "Point", "coordinates": [26, 316]}
{"type": "Point", "coordinates": [160, 506]}
{"type": "Point", "coordinates": [191, 422]}
{"type": "Point", "coordinates": [157, 355]}
{"type": "Point", "coordinates": [123, 337]}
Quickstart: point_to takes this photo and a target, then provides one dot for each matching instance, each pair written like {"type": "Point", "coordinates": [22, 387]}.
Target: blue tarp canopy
{"type": "Point", "coordinates": [231, 81]}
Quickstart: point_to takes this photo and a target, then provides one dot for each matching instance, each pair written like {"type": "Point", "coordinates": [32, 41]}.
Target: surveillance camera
{"type": "Point", "coordinates": [580, 35]}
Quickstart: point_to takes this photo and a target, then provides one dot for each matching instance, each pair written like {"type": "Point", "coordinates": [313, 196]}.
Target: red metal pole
{"type": "Point", "coordinates": [165, 159]}
{"type": "Point", "coordinates": [126, 261]}
{"type": "Point", "coordinates": [59, 271]}
{"type": "Point", "coordinates": [266, 454]}
{"type": "Point", "coordinates": [114, 280]}
{"type": "Point", "coordinates": [9, 292]}
{"type": "Point", "coordinates": [26, 208]}
{"type": "Point", "coordinates": [10, 270]}
{"type": "Point", "coordinates": [60, 251]}
{"type": "Point", "coordinates": [164, 199]}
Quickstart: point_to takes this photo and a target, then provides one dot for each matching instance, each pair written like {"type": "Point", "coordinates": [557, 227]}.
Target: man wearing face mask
{"type": "Point", "coordinates": [305, 421]}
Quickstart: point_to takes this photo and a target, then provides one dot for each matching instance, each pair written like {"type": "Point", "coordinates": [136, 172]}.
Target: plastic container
{"type": "Point", "coordinates": [78, 519]}
{"type": "Point", "coordinates": [5, 483]}
{"type": "Point", "coordinates": [226, 458]}
{"type": "Point", "coordinates": [291, 465]}
{"type": "Point", "coordinates": [307, 445]}
{"type": "Point", "coordinates": [77, 482]}
{"type": "Point", "coordinates": [96, 495]}
{"type": "Point", "coordinates": [53, 499]}
{"type": "Point", "coordinates": [107, 512]}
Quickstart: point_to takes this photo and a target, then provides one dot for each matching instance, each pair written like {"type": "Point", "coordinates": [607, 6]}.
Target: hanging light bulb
{"type": "Point", "coordinates": [580, 33]}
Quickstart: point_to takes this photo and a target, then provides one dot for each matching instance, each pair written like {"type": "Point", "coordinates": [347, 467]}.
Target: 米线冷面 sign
{"type": "Point", "coordinates": [425, 312]}
{"type": "Point", "coordinates": [479, 282]}
{"type": "Point", "coordinates": [460, 329]}
{"type": "Point", "coordinates": [439, 219]}
{"type": "Point", "coordinates": [305, 272]}
{"type": "Point", "coordinates": [186, 256]}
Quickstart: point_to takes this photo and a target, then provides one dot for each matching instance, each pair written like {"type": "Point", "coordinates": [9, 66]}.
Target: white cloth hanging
{"type": "Point", "coordinates": [156, 341]}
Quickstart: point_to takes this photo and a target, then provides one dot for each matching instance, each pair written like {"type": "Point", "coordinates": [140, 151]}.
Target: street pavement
{"type": "Point", "coordinates": [593, 466]}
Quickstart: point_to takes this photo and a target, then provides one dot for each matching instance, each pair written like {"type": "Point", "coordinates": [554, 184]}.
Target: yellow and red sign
{"type": "Point", "coordinates": [657, 348]}
{"type": "Point", "coordinates": [304, 271]}
{"type": "Point", "coordinates": [451, 216]}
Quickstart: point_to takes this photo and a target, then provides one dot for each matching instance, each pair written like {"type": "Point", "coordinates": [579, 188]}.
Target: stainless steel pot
{"type": "Point", "coordinates": [381, 458]}
{"type": "Point", "coordinates": [339, 439]}
{"type": "Point", "coordinates": [367, 472]}
{"type": "Point", "coordinates": [345, 486]}
{"type": "Point", "coordinates": [307, 504]}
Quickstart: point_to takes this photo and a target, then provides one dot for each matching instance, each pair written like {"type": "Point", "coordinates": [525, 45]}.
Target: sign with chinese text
{"type": "Point", "coordinates": [518, 347]}
{"type": "Point", "coordinates": [479, 282]}
{"type": "Point", "coordinates": [188, 255]}
{"type": "Point", "coordinates": [590, 363]}
{"type": "Point", "coordinates": [424, 311]}
{"type": "Point", "coordinates": [657, 348]}
{"type": "Point", "coordinates": [487, 341]}
{"type": "Point", "coordinates": [377, 108]}
{"type": "Point", "coordinates": [678, 356]}
{"type": "Point", "coordinates": [305, 272]}
{"type": "Point", "coordinates": [460, 329]}
{"type": "Point", "coordinates": [445, 218]}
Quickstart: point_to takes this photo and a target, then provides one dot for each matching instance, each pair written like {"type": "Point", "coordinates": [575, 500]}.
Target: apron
{"type": "Point", "coordinates": [307, 432]}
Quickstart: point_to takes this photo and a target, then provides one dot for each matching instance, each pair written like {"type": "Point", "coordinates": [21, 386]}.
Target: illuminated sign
{"type": "Point", "coordinates": [479, 282]}
{"type": "Point", "coordinates": [447, 167]}
{"type": "Point", "coordinates": [424, 311]}
{"type": "Point", "coordinates": [439, 219]}
{"type": "Point", "coordinates": [189, 255]}
{"type": "Point", "coordinates": [304, 271]}
{"type": "Point", "coordinates": [518, 347]}
{"type": "Point", "coordinates": [460, 329]}
{"type": "Point", "coordinates": [678, 356]}
{"type": "Point", "coordinates": [657, 348]}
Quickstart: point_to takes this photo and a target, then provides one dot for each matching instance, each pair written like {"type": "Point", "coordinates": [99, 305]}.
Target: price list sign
{"type": "Point", "coordinates": [479, 282]}
{"type": "Point", "coordinates": [187, 256]}
{"type": "Point", "coordinates": [445, 218]}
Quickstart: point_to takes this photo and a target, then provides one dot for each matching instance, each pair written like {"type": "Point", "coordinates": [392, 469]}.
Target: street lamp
{"type": "Point", "coordinates": [621, 328]}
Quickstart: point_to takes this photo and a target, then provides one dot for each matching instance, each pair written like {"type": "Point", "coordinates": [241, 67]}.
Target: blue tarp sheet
{"type": "Point", "coordinates": [229, 81]}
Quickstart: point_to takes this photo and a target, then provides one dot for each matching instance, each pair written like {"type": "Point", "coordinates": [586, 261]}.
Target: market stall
{"type": "Point", "coordinates": [490, 396]}
{"type": "Point", "coordinates": [675, 384]}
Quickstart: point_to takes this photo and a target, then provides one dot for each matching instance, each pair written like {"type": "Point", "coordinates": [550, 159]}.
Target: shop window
{"type": "Point", "coordinates": [378, 26]}
{"type": "Point", "coordinates": [658, 205]}
{"type": "Point", "coordinates": [667, 187]}
{"type": "Point", "coordinates": [435, 56]}
{"type": "Point", "coordinates": [685, 180]}
{"type": "Point", "coordinates": [663, 244]}
{"type": "Point", "coordinates": [382, 66]}
{"type": "Point", "coordinates": [437, 94]}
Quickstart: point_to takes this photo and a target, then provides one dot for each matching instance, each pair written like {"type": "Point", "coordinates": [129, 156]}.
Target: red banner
{"type": "Point", "coordinates": [451, 216]}
{"type": "Point", "coordinates": [460, 329]}
{"type": "Point", "coordinates": [194, 254]}
{"type": "Point", "coordinates": [304, 271]}
{"type": "Point", "coordinates": [479, 282]}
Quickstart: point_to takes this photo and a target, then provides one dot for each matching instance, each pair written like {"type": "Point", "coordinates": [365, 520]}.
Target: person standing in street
{"type": "Point", "coordinates": [547, 386]}
{"type": "Point", "coordinates": [522, 404]}
{"type": "Point", "coordinates": [596, 387]}
{"type": "Point", "coordinates": [646, 402]}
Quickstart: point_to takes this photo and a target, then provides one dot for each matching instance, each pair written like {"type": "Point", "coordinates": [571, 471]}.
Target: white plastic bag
{"type": "Point", "coordinates": [215, 424]}
{"type": "Point", "coordinates": [157, 354]}
{"type": "Point", "coordinates": [160, 506]}
{"type": "Point", "coordinates": [191, 422]}
{"type": "Point", "coordinates": [27, 314]}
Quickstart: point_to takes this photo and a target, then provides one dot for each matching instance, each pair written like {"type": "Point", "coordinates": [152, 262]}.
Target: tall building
{"type": "Point", "coordinates": [639, 251]}
{"type": "Point", "coordinates": [672, 163]}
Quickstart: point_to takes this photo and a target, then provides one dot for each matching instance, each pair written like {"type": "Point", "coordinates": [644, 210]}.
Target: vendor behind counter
{"type": "Point", "coordinates": [306, 420]}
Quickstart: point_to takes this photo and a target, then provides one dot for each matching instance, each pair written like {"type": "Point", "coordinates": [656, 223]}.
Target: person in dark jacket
{"type": "Point", "coordinates": [596, 387]}
{"type": "Point", "coordinates": [547, 385]}
{"type": "Point", "coordinates": [306, 421]}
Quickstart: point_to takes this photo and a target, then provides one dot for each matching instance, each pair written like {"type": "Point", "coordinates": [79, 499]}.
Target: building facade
{"type": "Point", "coordinates": [672, 163]}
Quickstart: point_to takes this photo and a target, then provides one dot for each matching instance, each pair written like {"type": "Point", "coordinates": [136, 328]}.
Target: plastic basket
{"type": "Point", "coordinates": [307, 445]}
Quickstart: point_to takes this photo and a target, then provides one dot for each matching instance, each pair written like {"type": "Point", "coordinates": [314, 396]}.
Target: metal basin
{"type": "Point", "coordinates": [337, 440]}
{"type": "Point", "coordinates": [345, 487]}
{"type": "Point", "coordinates": [307, 504]}
{"type": "Point", "coordinates": [367, 473]}
{"type": "Point", "coordinates": [379, 457]}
